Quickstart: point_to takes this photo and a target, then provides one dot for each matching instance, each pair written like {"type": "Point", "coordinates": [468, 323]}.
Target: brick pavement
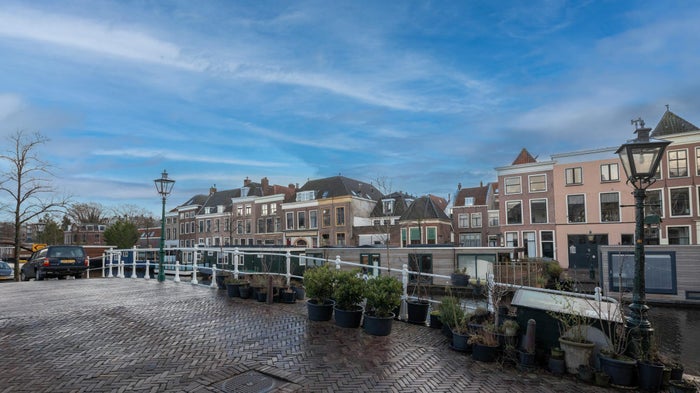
{"type": "Point", "coordinates": [103, 335]}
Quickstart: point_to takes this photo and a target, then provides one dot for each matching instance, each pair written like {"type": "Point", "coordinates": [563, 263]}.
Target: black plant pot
{"type": "Point", "coordinates": [557, 366]}
{"type": "Point", "coordinates": [417, 311]}
{"type": "Point", "coordinates": [460, 342]}
{"type": "Point", "coordinates": [221, 282]}
{"type": "Point", "coordinates": [232, 290]}
{"type": "Point", "coordinates": [348, 318]}
{"type": "Point", "coordinates": [650, 376]}
{"type": "Point", "coordinates": [446, 331]}
{"type": "Point", "coordinates": [527, 359]}
{"type": "Point", "coordinates": [378, 326]}
{"type": "Point", "coordinates": [320, 312]}
{"type": "Point", "coordinates": [484, 353]}
{"type": "Point", "coordinates": [288, 297]}
{"type": "Point", "coordinates": [622, 372]}
{"type": "Point", "coordinates": [676, 373]}
{"type": "Point", "coordinates": [435, 322]}
{"type": "Point", "coordinates": [261, 296]}
{"type": "Point", "coordinates": [244, 291]}
{"type": "Point", "coordinates": [459, 280]}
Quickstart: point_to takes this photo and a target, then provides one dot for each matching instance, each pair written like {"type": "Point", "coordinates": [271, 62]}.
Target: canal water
{"type": "Point", "coordinates": [678, 334]}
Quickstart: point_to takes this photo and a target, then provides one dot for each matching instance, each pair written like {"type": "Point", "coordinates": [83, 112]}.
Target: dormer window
{"type": "Point", "coordinates": [306, 196]}
{"type": "Point", "coordinates": [387, 206]}
{"type": "Point", "coordinates": [469, 201]}
{"type": "Point", "coordinates": [244, 191]}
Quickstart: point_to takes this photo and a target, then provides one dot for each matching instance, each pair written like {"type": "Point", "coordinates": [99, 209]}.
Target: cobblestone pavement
{"type": "Point", "coordinates": [135, 335]}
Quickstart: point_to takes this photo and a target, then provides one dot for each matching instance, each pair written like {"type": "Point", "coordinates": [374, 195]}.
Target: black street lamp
{"type": "Point", "coordinates": [640, 157]}
{"type": "Point", "coordinates": [164, 187]}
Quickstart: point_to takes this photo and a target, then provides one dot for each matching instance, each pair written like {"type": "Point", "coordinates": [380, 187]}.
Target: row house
{"type": "Point", "coordinates": [475, 216]}
{"type": "Point", "coordinates": [325, 212]}
{"type": "Point", "coordinates": [381, 227]}
{"type": "Point", "coordinates": [568, 206]}
{"type": "Point", "coordinates": [425, 222]}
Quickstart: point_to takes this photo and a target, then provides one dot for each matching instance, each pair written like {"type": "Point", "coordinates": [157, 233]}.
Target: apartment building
{"type": "Point", "coordinates": [324, 211]}
{"type": "Point", "coordinates": [475, 216]}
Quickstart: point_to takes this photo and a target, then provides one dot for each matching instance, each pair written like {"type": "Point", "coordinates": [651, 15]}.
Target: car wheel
{"type": "Point", "coordinates": [23, 276]}
{"type": "Point", "coordinates": [38, 276]}
{"type": "Point", "coordinates": [61, 277]}
{"type": "Point", "coordinates": [78, 276]}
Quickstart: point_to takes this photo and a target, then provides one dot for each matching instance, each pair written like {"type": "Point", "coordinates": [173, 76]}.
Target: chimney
{"type": "Point", "coordinates": [459, 186]}
{"type": "Point", "coordinates": [246, 182]}
{"type": "Point", "coordinates": [212, 189]}
{"type": "Point", "coordinates": [265, 183]}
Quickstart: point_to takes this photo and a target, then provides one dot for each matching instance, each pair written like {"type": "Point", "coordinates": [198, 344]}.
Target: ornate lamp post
{"type": "Point", "coordinates": [640, 157]}
{"type": "Point", "coordinates": [164, 187]}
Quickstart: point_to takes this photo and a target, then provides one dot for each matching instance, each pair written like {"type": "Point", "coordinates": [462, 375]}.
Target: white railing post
{"type": "Point", "coordinates": [213, 277]}
{"type": "Point", "coordinates": [236, 256]}
{"type": "Point", "coordinates": [288, 262]}
{"type": "Point", "coordinates": [120, 267]}
{"type": "Point", "coordinates": [111, 258]}
{"type": "Point", "coordinates": [177, 271]}
{"type": "Point", "coordinates": [490, 286]}
{"type": "Point", "coordinates": [133, 267]}
{"type": "Point", "coordinates": [403, 311]}
{"type": "Point", "coordinates": [147, 274]}
{"type": "Point", "coordinates": [194, 270]}
{"type": "Point", "coordinates": [337, 262]}
{"type": "Point", "coordinates": [104, 256]}
{"type": "Point", "coordinates": [375, 271]}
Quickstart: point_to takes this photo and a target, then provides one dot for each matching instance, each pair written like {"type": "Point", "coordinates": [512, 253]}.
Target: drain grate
{"type": "Point", "coordinates": [249, 382]}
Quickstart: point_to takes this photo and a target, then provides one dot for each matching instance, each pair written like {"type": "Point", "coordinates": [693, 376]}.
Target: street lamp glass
{"type": "Point", "coordinates": [164, 185]}
{"type": "Point", "coordinates": [641, 156]}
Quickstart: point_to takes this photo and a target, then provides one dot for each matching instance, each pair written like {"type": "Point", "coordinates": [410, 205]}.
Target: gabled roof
{"type": "Point", "coordinates": [478, 193]}
{"type": "Point", "coordinates": [336, 186]}
{"type": "Point", "coordinates": [671, 123]}
{"type": "Point", "coordinates": [197, 200]}
{"type": "Point", "coordinates": [524, 158]}
{"type": "Point", "coordinates": [400, 204]}
{"type": "Point", "coordinates": [426, 207]}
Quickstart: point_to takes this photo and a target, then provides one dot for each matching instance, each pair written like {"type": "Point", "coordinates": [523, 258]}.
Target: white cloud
{"type": "Point", "coordinates": [183, 157]}
{"type": "Point", "coordinates": [92, 36]}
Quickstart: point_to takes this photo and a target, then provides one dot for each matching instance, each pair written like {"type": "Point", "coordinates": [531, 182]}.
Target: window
{"type": "Point", "coordinates": [340, 239]}
{"type": "Point", "coordinates": [263, 209]}
{"type": "Point", "coordinates": [388, 206]}
{"type": "Point", "coordinates": [609, 207]}
{"type": "Point", "coordinates": [208, 226]}
{"type": "Point", "coordinates": [511, 239]}
{"type": "Point", "coordinates": [514, 212]}
{"type": "Point", "coordinates": [679, 235]}
{"type": "Point", "coordinates": [217, 225]}
{"type": "Point", "coordinates": [301, 220]}
{"type": "Point", "coordinates": [261, 225]}
{"type": "Point", "coordinates": [468, 201]}
{"type": "Point", "coordinates": [248, 210]}
{"type": "Point", "coordinates": [290, 220]}
{"type": "Point", "coordinates": [476, 220]}
{"type": "Point", "coordinates": [697, 161]}
{"type": "Point", "coordinates": [470, 239]}
{"type": "Point", "coordinates": [513, 185]}
{"type": "Point", "coordinates": [494, 219]}
{"type": "Point", "coordinates": [547, 240]}
{"type": "Point", "coordinates": [273, 208]}
{"type": "Point", "coordinates": [313, 219]}
{"type": "Point", "coordinates": [576, 205]}
{"type": "Point", "coordinates": [239, 227]}
{"type": "Point", "coordinates": [431, 235]}
{"type": "Point", "coordinates": [239, 210]}
{"type": "Point", "coordinates": [339, 216]}
{"type": "Point", "coordinates": [306, 196]}
{"type": "Point", "coordinates": [538, 183]}
{"type": "Point", "coordinates": [538, 211]}
{"type": "Point", "coordinates": [609, 172]}
{"type": "Point", "coordinates": [530, 244]}
{"type": "Point", "coordinates": [326, 217]}
{"type": "Point", "coordinates": [201, 226]}
{"type": "Point", "coordinates": [463, 220]}
{"type": "Point", "coordinates": [680, 201]}
{"type": "Point", "coordinates": [573, 176]}
{"type": "Point", "coordinates": [677, 163]}
{"type": "Point", "coordinates": [414, 234]}
{"type": "Point", "coordinates": [269, 224]}
{"type": "Point", "coordinates": [654, 203]}
{"type": "Point", "coordinates": [659, 268]}
{"type": "Point", "coordinates": [248, 226]}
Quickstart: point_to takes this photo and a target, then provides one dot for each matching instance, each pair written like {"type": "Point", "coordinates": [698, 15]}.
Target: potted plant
{"type": "Point", "coordinates": [349, 291]}
{"type": "Point", "coordinates": [233, 285]}
{"type": "Point", "coordinates": [450, 314]}
{"type": "Point", "coordinates": [460, 278]}
{"type": "Point", "coordinates": [319, 282]}
{"type": "Point", "coordinates": [298, 289]}
{"type": "Point", "coordinates": [460, 334]}
{"type": "Point", "coordinates": [417, 306]}
{"type": "Point", "coordinates": [573, 331]}
{"type": "Point", "coordinates": [510, 327]}
{"type": "Point", "coordinates": [383, 296]}
{"type": "Point", "coordinates": [484, 343]}
{"type": "Point", "coordinates": [435, 319]}
{"type": "Point", "coordinates": [650, 368]}
{"type": "Point", "coordinates": [556, 362]}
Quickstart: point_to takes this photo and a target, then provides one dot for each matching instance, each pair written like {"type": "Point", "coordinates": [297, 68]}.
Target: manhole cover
{"type": "Point", "coordinates": [249, 382]}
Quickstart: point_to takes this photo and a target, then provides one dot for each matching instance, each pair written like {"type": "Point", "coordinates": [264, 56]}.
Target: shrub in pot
{"type": "Point", "coordinates": [348, 293]}
{"type": "Point", "coordinates": [484, 343]}
{"type": "Point", "coordinates": [233, 285]}
{"type": "Point", "coordinates": [450, 314]}
{"type": "Point", "coordinates": [383, 296]}
{"type": "Point", "coordinates": [319, 282]}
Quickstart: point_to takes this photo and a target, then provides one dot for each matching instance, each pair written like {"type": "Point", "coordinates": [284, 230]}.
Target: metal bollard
{"type": "Point", "coordinates": [194, 273]}
{"type": "Point", "coordinates": [133, 269]}
{"type": "Point", "coordinates": [110, 275]}
{"type": "Point", "coordinates": [213, 278]}
{"type": "Point", "coordinates": [147, 275]}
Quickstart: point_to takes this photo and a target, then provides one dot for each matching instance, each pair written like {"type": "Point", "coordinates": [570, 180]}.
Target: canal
{"type": "Point", "coordinates": [678, 334]}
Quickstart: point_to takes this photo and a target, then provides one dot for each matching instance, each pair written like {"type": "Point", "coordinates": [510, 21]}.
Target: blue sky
{"type": "Point", "coordinates": [425, 94]}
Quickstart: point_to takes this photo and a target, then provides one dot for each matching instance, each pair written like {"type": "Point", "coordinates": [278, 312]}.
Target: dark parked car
{"type": "Point", "coordinates": [56, 261]}
{"type": "Point", "coordinates": [6, 271]}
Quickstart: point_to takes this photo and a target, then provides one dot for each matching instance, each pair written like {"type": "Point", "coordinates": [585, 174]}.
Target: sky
{"type": "Point", "coordinates": [422, 95]}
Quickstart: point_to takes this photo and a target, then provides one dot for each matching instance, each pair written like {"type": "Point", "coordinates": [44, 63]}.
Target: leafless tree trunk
{"type": "Point", "coordinates": [27, 181]}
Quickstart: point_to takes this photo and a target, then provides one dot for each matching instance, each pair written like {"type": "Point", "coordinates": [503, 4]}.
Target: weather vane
{"type": "Point", "coordinates": [638, 123]}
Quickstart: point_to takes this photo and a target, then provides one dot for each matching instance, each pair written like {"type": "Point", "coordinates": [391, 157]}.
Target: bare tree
{"type": "Point", "coordinates": [27, 182]}
{"type": "Point", "coordinates": [87, 213]}
{"type": "Point", "coordinates": [134, 214]}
